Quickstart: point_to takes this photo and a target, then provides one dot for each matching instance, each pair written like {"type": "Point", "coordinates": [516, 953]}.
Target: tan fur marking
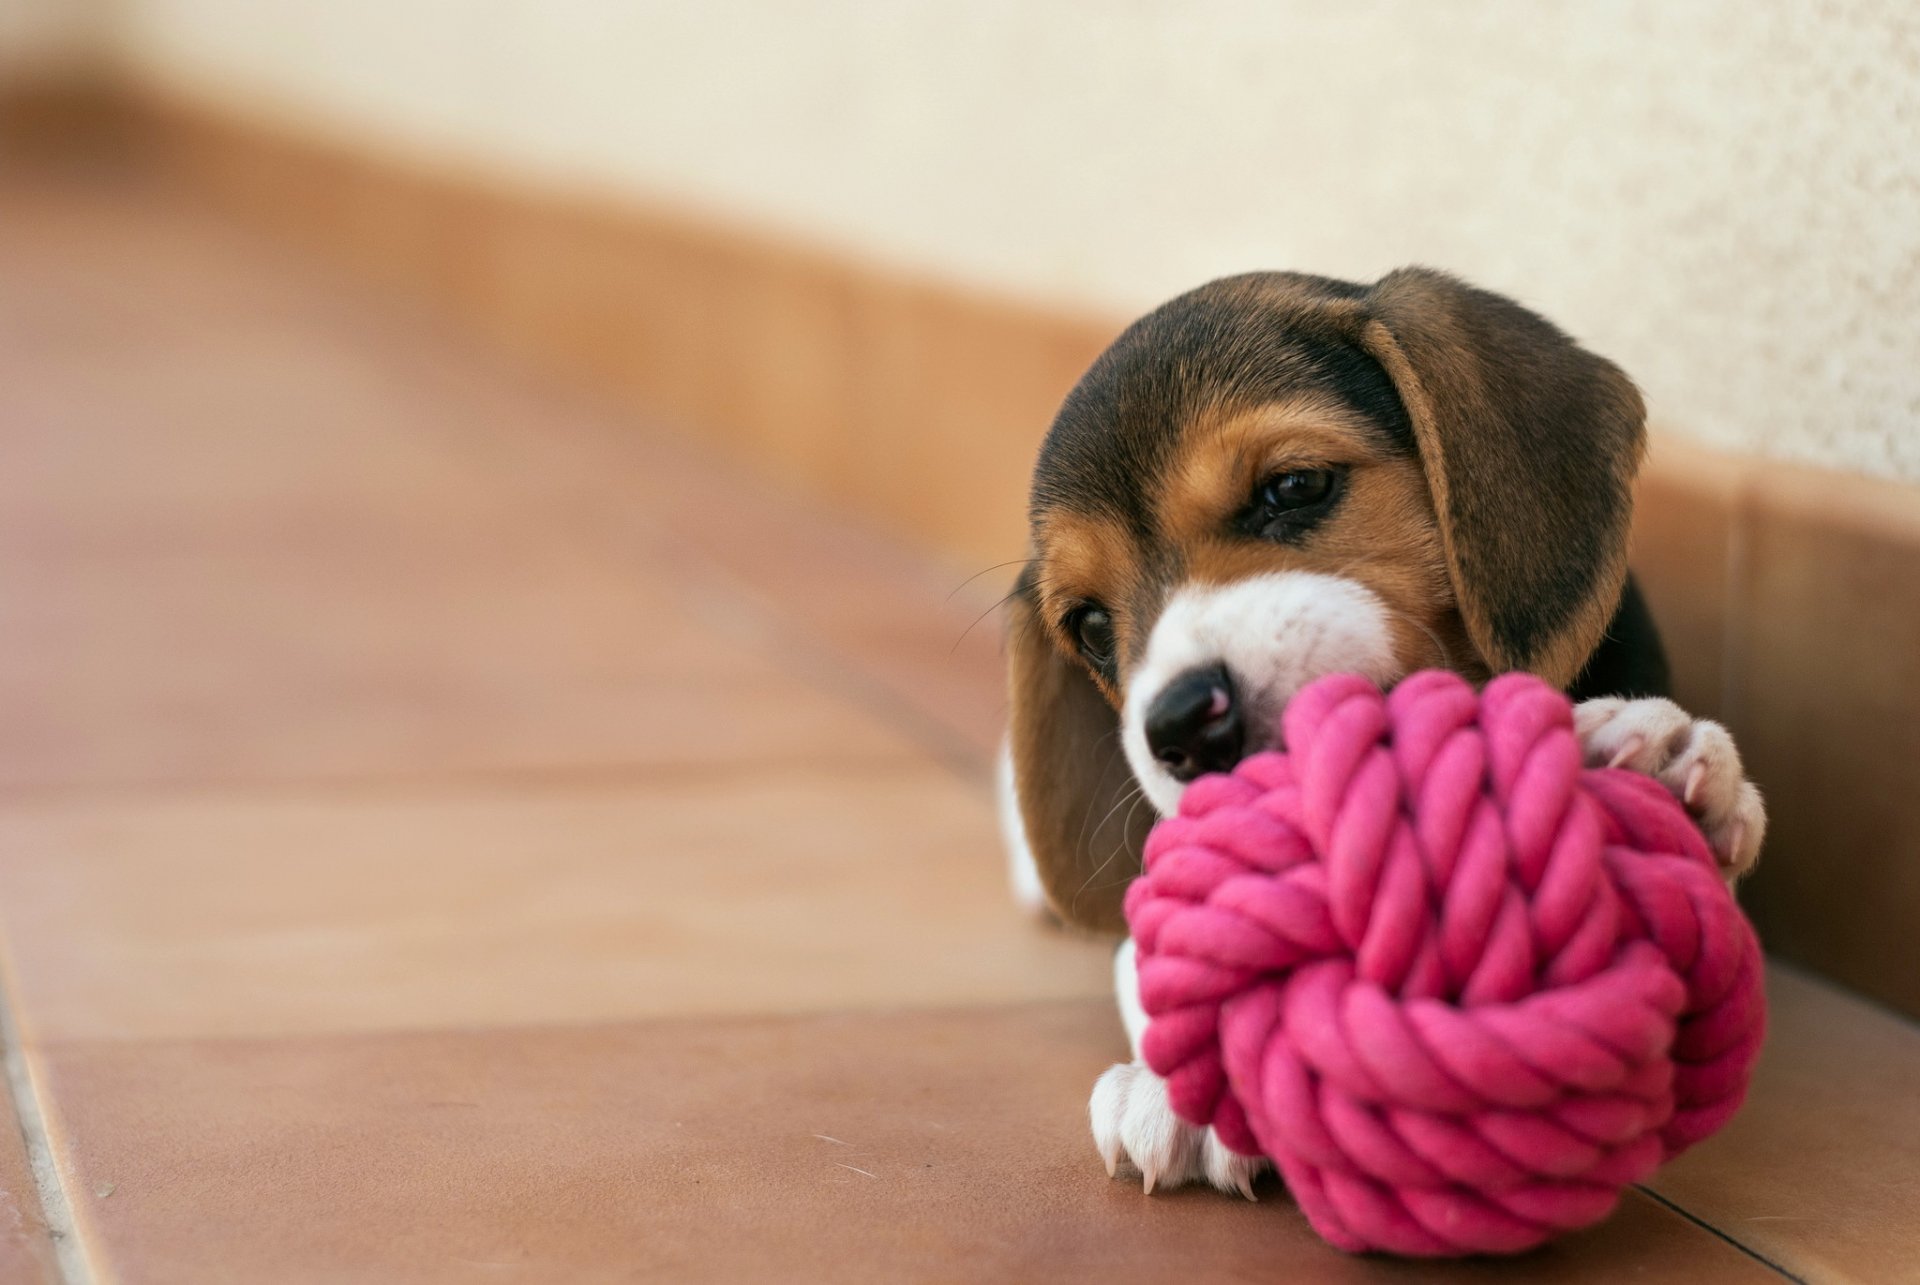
{"type": "Point", "coordinates": [1089, 559]}
{"type": "Point", "coordinates": [1383, 533]}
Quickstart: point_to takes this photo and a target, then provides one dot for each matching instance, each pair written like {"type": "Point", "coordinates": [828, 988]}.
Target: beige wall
{"type": "Point", "coordinates": [1723, 195]}
{"type": "Point", "coordinates": [50, 39]}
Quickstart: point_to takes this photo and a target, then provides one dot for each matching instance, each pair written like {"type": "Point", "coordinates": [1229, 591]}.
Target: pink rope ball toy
{"type": "Point", "coordinates": [1461, 989]}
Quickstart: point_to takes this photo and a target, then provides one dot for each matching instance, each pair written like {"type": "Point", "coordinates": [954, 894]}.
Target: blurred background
{"type": "Point", "coordinates": [503, 393]}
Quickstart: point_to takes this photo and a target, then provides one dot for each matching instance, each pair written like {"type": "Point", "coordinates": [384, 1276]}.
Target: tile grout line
{"type": "Point", "coordinates": [1708, 1227]}
{"type": "Point", "coordinates": [70, 1257]}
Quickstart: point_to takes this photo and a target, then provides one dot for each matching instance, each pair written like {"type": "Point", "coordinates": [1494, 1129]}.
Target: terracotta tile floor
{"type": "Point", "coordinates": [448, 833]}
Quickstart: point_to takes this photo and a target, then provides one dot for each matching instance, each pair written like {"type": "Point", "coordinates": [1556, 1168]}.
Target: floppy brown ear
{"type": "Point", "coordinates": [1077, 795]}
{"type": "Point", "coordinates": [1530, 444]}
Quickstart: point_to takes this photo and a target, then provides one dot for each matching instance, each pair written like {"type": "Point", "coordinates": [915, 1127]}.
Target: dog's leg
{"type": "Point", "coordinates": [1695, 758]}
{"type": "Point", "coordinates": [1132, 1119]}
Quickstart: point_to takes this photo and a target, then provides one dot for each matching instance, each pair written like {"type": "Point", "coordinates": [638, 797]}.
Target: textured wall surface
{"type": "Point", "coordinates": [1724, 196]}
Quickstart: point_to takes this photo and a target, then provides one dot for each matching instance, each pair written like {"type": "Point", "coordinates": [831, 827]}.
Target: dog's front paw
{"type": "Point", "coordinates": [1695, 758]}
{"type": "Point", "coordinates": [1132, 1120]}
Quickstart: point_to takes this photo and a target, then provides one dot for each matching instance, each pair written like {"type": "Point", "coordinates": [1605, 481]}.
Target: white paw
{"type": "Point", "coordinates": [1694, 758]}
{"type": "Point", "coordinates": [1133, 1121]}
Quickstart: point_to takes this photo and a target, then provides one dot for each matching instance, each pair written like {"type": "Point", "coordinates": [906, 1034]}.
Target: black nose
{"type": "Point", "coordinates": [1194, 724]}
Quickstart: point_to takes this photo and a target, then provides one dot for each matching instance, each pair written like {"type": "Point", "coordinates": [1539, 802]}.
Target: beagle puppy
{"type": "Point", "coordinates": [1278, 476]}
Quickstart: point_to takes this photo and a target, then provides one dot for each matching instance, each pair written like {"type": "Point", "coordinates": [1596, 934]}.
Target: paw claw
{"type": "Point", "coordinates": [1629, 748]}
{"type": "Point", "coordinates": [1694, 758]}
{"type": "Point", "coordinates": [1105, 1111]}
{"type": "Point", "coordinates": [1228, 1170]}
{"type": "Point", "coordinates": [1133, 1121]}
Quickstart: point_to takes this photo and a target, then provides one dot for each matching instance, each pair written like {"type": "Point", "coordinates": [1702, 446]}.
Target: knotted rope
{"type": "Point", "coordinates": [1459, 988]}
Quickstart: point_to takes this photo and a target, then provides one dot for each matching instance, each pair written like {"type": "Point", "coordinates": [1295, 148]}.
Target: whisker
{"type": "Point", "coordinates": [1004, 600]}
{"type": "Point", "coordinates": [1132, 794]}
{"type": "Point", "coordinates": [1140, 796]}
{"type": "Point", "coordinates": [1439, 648]}
{"type": "Point", "coordinates": [1089, 886]}
{"type": "Point", "coordinates": [1086, 830]}
{"type": "Point", "coordinates": [1011, 562]}
{"type": "Point", "coordinates": [1098, 870]}
{"type": "Point", "coordinates": [1120, 845]}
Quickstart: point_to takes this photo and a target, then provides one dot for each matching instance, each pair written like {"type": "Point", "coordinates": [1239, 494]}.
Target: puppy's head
{"type": "Point", "coordinates": [1275, 477]}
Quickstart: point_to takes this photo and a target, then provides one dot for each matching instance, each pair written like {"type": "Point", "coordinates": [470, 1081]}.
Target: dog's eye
{"type": "Point", "coordinates": [1298, 489]}
{"type": "Point", "coordinates": [1091, 629]}
{"type": "Point", "coordinates": [1286, 504]}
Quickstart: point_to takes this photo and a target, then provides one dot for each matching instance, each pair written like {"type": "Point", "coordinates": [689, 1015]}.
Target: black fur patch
{"type": "Point", "coordinates": [1228, 344]}
{"type": "Point", "coordinates": [1630, 661]}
